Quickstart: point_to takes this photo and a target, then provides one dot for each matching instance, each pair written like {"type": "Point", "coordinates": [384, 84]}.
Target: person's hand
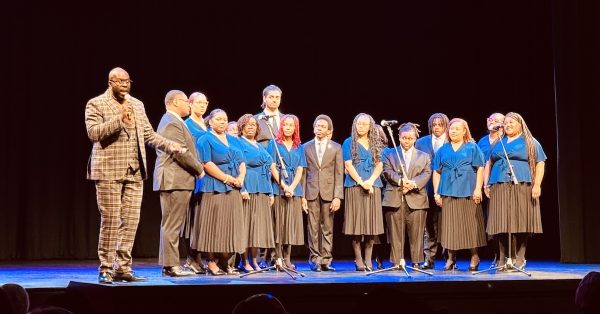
{"type": "Point", "coordinates": [271, 200]}
{"type": "Point", "coordinates": [438, 199]}
{"type": "Point", "coordinates": [335, 205]}
{"type": "Point", "coordinates": [126, 109]}
{"type": "Point", "coordinates": [238, 182]}
{"type": "Point", "coordinates": [477, 196]}
{"type": "Point", "coordinates": [245, 196]}
{"type": "Point", "coordinates": [536, 191]}
{"type": "Point", "coordinates": [305, 205]}
{"type": "Point", "coordinates": [486, 190]}
{"type": "Point", "coordinates": [177, 148]}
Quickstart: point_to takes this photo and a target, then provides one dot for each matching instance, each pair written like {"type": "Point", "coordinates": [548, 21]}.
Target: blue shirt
{"type": "Point", "coordinates": [258, 163]}
{"type": "Point", "coordinates": [517, 154]}
{"type": "Point", "coordinates": [197, 132]}
{"type": "Point", "coordinates": [364, 165]}
{"type": "Point", "coordinates": [485, 145]}
{"type": "Point", "coordinates": [227, 157]}
{"type": "Point", "coordinates": [458, 169]}
{"type": "Point", "coordinates": [292, 159]}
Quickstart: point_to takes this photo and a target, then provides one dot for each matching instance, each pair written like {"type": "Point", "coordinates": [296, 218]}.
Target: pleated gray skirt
{"type": "Point", "coordinates": [219, 224]}
{"type": "Point", "coordinates": [362, 211]}
{"type": "Point", "coordinates": [258, 216]}
{"type": "Point", "coordinates": [288, 220]}
{"type": "Point", "coordinates": [462, 224]}
{"type": "Point", "coordinates": [512, 205]}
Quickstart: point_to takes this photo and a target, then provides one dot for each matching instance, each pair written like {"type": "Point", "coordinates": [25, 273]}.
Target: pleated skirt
{"type": "Point", "coordinates": [462, 224]}
{"type": "Point", "coordinates": [219, 225]}
{"type": "Point", "coordinates": [513, 209]}
{"type": "Point", "coordinates": [288, 220]}
{"type": "Point", "coordinates": [258, 216]}
{"type": "Point", "coordinates": [188, 224]}
{"type": "Point", "coordinates": [362, 212]}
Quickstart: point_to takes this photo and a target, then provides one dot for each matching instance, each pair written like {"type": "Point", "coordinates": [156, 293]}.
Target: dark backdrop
{"type": "Point", "coordinates": [395, 60]}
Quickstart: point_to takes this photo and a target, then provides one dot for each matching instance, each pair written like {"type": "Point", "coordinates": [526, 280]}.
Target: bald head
{"type": "Point", "coordinates": [117, 72]}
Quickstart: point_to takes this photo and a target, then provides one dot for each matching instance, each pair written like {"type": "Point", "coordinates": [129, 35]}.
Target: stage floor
{"type": "Point", "coordinates": [550, 288]}
{"type": "Point", "coordinates": [58, 274]}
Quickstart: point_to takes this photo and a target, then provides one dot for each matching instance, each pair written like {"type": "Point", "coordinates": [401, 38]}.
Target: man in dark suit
{"type": "Point", "coordinates": [406, 196]}
{"type": "Point", "coordinates": [118, 126]}
{"type": "Point", "coordinates": [174, 178]}
{"type": "Point", "coordinates": [438, 124]}
{"type": "Point", "coordinates": [271, 115]}
{"type": "Point", "coordinates": [323, 190]}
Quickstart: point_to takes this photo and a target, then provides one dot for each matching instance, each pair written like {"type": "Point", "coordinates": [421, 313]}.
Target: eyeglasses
{"type": "Point", "coordinates": [122, 82]}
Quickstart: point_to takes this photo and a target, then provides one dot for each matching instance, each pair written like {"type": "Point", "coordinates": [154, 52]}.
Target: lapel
{"type": "Point", "coordinates": [327, 153]}
{"type": "Point", "coordinates": [311, 150]}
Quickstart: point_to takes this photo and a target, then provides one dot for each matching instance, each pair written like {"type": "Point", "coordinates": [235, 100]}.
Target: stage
{"type": "Point", "coordinates": [550, 289]}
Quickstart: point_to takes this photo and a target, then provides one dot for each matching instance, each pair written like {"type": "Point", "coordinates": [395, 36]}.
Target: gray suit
{"type": "Point", "coordinates": [174, 178]}
{"type": "Point", "coordinates": [322, 184]}
{"type": "Point", "coordinates": [409, 210]}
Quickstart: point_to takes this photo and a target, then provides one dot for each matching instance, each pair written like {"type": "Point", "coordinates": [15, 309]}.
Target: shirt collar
{"type": "Point", "coordinates": [442, 137]}
{"type": "Point", "coordinates": [175, 114]}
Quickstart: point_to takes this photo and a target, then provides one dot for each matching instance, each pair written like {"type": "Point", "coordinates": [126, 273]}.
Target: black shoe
{"type": "Point", "coordinates": [176, 271]}
{"type": "Point", "coordinates": [316, 268]}
{"type": "Point", "coordinates": [416, 266]}
{"type": "Point", "coordinates": [105, 277]}
{"type": "Point", "coordinates": [429, 264]}
{"type": "Point", "coordinates": [128, 277]}
{"type": "Point", "coordinates": [327, 268]}
{"type": "Point", "coordinates": [219, 272]}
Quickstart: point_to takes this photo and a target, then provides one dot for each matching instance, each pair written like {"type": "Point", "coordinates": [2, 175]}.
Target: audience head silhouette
{"type": "Point", "coordinates": [260, 303]}
{"type": "Point", "coordinates": [13, 299]}
{"type": "Point", "coordinates": [587, 296]}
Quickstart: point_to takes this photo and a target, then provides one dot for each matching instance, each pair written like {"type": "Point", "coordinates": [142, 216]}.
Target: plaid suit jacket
{"type": "Point", "coordinates": [108, 160]}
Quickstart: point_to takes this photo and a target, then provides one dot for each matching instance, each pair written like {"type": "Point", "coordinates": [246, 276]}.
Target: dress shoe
{"type": "Point", "coordinates": [474, 265]}
{"type": "Point", "coordinates": [195, 267]}
{"type": "Point", "coordinates": [359, 267]}
{"type": "Point", "coordinates": [327, 268]}
{"type": "Point", "coordinates": [288, 264]}
{"type": "Point", "coordinates": [105, 277]}
{"type": "Point", "coordinates": [316, 268]}
{"type": "Point", "coordinates": [450, 265]}
{"type": "Point", "coordinates": [369, 267]}
{"type": "Point", "coordinates": [176, 271]}
{"type": "Point", "coordinates": [520, 264]}
{"type": "Point", "coordinates": [128, 277]}
{"type": "Point", "coordinates": [218, 272]}
{"type": "Point", "coordinates": [247, 268]}
{"type": "Point", "coordinates": [231, 271]}
{"type": "Point", "coordinates": [416, 266]}
{"type": "Point", "coordinates": [429, 264]}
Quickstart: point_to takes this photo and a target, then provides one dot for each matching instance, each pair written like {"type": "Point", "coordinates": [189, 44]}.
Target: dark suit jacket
{"type": "Point", "coordinates": [419, 170]}
{"type": "Point", "coordinates": [327, 179]}
{"type": "Point", "coordinates": [264, 135]}
{"type": "Point", "coordinates": [176, 171]}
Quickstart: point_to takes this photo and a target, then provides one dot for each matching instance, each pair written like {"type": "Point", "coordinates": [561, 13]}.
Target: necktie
{"type": "Point", "coordinates": [274, 125]}
{"type": "Point", "coordinates": [320, 152]}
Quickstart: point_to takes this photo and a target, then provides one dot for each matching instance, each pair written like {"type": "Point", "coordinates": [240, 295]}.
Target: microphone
{"type": "Point", "coordinates": [128, 98]}
{"type": "Point", "coordinates": [497, 127]}
{"type": "Point", "coordinates": [388, 122]}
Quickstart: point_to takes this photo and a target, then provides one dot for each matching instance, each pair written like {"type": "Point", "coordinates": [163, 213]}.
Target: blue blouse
{"type": "Point", "coordinates": [197, 132]}
{"type": "Point", "coordinates": [293, 159]}
{"type": "Point", "coordinates": [364, 165]}
{"type": "Point", "coordinates": [195, 128]}
{"type": "Point", "coordinates": [458, 170]}
{"type": "Point", "coordinates": [258, 163]}
{"type": "Point", "coordinates": [517, 154]}
{"type": "Point", "coordinates": [227, 158]}
{"type": "Point", "coordinates": [484, 145]}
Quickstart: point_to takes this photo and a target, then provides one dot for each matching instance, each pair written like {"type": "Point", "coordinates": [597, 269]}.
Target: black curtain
{"type": "Point", "coordinates": [394, 60]}
{"type": "Point", "coordinates": [576, 48]}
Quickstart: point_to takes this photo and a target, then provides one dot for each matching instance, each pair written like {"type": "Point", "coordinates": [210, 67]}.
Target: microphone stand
{"type": "Point", "coordinates": [279, 264]}
{"type": "Point", "coordinates": [402, 266]}
{"type": "Point", "coordinates": [509, 263]}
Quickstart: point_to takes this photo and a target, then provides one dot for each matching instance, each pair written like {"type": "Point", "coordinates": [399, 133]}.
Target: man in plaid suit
{"type": "Point", "coordinates": [117, 125]}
